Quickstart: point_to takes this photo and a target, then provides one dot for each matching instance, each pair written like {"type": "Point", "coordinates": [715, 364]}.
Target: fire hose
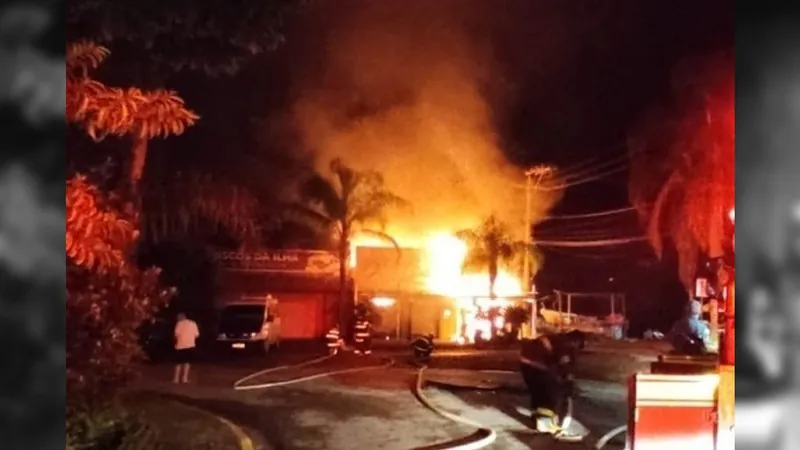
{"type": "Point", "coordinates": [484, 436]}
{"type": "Point", "coordinates": [603, 441]}
{"type": "Point", "coordinates": [238, 384]}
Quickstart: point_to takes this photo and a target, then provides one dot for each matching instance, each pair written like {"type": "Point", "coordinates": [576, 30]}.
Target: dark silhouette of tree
{"type": "Point", "coordinates": [214, 37]}
{"type": "Point", "coordinates": [491, 246]}
{"type": "Point", "coordinates": [682, 171]}
{"type": "Point", "coordinates": [346, 204]}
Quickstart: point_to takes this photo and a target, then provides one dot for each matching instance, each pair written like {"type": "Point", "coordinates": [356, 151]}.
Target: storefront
{"type": "Point", "coordinates": [305, 284]}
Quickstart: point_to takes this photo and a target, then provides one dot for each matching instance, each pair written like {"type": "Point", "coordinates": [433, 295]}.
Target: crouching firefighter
{"type": "Point", "coordinates": [423, 347]}
{"type": "Point", "coordinates": [333, 340]}
{"type": "Point", "coordinates": [546, 364]}
{"type": "Point", "coordinates": [362, 333]}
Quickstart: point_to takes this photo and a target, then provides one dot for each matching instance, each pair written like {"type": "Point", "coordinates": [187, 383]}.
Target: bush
{"type": "Point", "coordinates": [108, 428]}
{"type": "Point", "coordinates": [108, 297]}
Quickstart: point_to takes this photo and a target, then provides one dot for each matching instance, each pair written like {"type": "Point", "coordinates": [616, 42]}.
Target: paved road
{"type": "Point", "coordinates": [346, 412]}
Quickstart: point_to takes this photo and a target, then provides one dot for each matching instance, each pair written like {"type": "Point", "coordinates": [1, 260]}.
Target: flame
{"type": "Point", "coordinates": [443, 260]}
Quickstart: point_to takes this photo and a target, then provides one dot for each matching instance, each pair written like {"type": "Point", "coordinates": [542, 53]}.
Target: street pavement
{"type": "Point", "coordinates": [376, 409]}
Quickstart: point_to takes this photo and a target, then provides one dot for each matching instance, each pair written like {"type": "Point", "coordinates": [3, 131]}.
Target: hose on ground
{"type": "Point", "coordinates": [240, 381]}
{"type": "Point", "coordinates": [239, 387]}
{"type": "Point", "coordinates": [603, 441]}
{"type": "Point", "coordinates": [484, 436]}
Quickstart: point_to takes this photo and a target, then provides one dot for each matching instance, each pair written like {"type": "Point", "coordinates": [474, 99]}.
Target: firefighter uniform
{"type": "Point", "coordinates": [333, 340]}
{"type": "Point", "coordinates": [423, 347]}
{"type": "Point", "coordinates": [363, 336]}
{"type": "Point", "coordinates": [546, 366]}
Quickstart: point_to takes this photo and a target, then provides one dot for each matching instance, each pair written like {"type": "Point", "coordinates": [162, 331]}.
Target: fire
{"type": "Point", "coordinates": [443, 260]}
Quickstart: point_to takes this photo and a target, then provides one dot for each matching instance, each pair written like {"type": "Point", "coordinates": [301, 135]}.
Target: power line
{"type": "Point", "coordinates": [595, 256]}
{"type": "Point", "coordinates": [595, 214]}
{"type": "Point", "coordinates": [610, 150]}
{"type": "Point", "coordinates": [593, 243]}
{"type": "Point", "coordinates": [583, 181]}
{"type": "Point", "coordinates": [619, 160]}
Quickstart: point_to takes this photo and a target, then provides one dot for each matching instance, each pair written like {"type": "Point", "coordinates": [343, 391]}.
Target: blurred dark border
{"type": "Point", "coordinates": [32, 317]}
{"type": "Point", "coordinates": [767, 160]}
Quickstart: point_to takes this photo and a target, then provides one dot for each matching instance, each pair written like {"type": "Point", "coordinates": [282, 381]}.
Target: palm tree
{"type": "Point", "coordinates": [344, 205]}
{"type": "Point", "coordinates": [682, 171]}
{"type": "Point", "coordinates": [490, 247]}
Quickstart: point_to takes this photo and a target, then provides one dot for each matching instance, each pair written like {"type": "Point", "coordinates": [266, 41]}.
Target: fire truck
{"type": "Point", "coordinates": [687, 402]}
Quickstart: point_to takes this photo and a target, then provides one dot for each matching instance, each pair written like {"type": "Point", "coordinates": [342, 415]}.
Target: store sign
{"type": "Point", "coordinates": [293, 261]}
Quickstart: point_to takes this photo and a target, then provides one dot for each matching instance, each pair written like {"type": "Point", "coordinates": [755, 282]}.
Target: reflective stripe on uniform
{"type": "Point", "coordinates": [333, 344]}
{"type": "Point", "coordinates": [362, 335]}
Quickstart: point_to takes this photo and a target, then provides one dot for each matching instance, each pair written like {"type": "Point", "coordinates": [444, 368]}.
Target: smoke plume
{"type": "Point", "coordinates": [400, 89]}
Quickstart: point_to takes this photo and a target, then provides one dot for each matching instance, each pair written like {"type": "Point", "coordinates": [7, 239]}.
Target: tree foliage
{"type": "Point", "coordinates": [199, 205]}
{"type": "Point", "coordinates": [97, 237]}
{"type": "Point", "coordinates": [105, 111]}
{"type": "Point", "coordinates": [682, 171]}
{"type": "Point", "coordinates": [345, 204]}
{"type": "Point", "coordinates": [213, 36]}
{"type": "Point", "coordinates": [109, 111]}
{"type": "Point", "coordinates": [108, 296]}
{"type": "Point", "coordinates": [490, 246]}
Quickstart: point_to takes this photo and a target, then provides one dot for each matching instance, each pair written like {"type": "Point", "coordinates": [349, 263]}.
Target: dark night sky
{"type": "Point", "coordinates": [573, 76]}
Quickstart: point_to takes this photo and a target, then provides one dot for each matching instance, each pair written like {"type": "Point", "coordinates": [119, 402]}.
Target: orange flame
{"type": "Point", "coordinates": [443, 260]}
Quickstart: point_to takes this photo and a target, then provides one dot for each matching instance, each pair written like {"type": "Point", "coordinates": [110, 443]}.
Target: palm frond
{"type": "Point", "coordinates": [308, 216]}
{"type": "Point", "coordinates": [383, 236]}
{"type": "Point", "coordinates": [320, 190]}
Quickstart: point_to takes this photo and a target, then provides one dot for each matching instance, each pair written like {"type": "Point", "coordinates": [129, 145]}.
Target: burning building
{"type": "Point", "coordinates": [421, 288]}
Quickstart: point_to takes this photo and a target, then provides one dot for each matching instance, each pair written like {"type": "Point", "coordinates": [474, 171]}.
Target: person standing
{"type": "Point", "coordinates": [333, 340]}
{"type": "Point", "coordinates": [362, 333]}
{"type": "Point", "coordinates": [690, 335]}
{"type": "Point", "coordinates": [186, 334]}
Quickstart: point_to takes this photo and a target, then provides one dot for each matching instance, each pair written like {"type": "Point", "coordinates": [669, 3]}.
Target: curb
{"type": "Point", "coordinates": [244, 441]}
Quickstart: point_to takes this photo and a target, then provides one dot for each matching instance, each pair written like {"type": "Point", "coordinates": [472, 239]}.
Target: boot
{"type": "Point", "coordinates": [546, 421]}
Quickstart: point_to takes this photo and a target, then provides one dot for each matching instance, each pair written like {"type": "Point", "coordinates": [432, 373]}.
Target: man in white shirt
{"type": "Point", "coordinates": [186, 334]}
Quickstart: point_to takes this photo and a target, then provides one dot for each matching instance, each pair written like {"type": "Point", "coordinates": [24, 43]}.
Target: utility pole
{"type": "Point", "coordinates": [533, 178]}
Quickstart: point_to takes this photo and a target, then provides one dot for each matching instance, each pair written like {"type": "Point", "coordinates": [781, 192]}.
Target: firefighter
{"type": "Point", "coordinates": [546, 365]}
{"type": "Point", "coordinates": [423, 347]}
{"type": "Point", "coordinates": [334, 340]}
{"type": "Point", "coordinates": [690, 335]}
{"type": "Point", "coordinates": [362, 333]}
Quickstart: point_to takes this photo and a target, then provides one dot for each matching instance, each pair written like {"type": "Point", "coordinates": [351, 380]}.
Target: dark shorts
{"type": "Point", "coordinates": [184, 356]}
